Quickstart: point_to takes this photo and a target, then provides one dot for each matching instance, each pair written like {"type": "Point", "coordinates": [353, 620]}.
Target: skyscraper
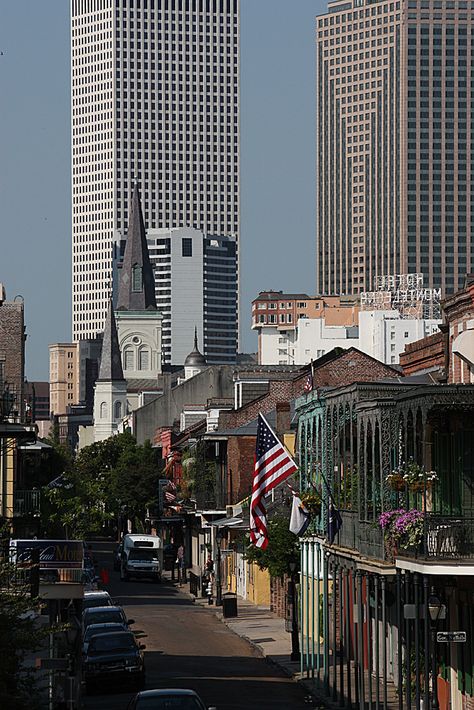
{"type": "Point", "coordinates": [196, 286]}
{"type": "Point", "coordinates": [155, 96]}
{"type": "Point", "coordinates": [394, 143]}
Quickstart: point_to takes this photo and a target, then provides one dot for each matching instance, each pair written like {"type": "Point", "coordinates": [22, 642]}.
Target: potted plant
{"type": "Point", "coordinates": [402, 529]}
{"type": "Point", "coordinates": [411, 475]}
{"type": "Point", "coordinates": [312, 502]}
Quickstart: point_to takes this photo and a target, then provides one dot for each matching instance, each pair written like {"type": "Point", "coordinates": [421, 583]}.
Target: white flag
{"type": "Point", "coordinates": [300, 518]}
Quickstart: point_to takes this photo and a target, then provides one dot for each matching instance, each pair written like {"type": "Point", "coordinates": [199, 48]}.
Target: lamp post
{"type": "Point", "coordinates": [218, 570]}
{"type": "Point", "coordinates": [295, 642]}
{"type": "Point", "coordinates": [435, 607]}
{"type": "Point", "coordinates": [72, 634]}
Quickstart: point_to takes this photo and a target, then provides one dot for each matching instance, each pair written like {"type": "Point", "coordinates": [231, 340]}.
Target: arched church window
{"type": "Point", "coordinates": [103, 410]}
{"type": "Point", "coordinates": [128, 358]}
{"type": "Point", "coordinates": [118, 410]}
{"type": "Point", "coordinates": [143, 359]}
{"type": "Point", "coordinates": [137, 279]}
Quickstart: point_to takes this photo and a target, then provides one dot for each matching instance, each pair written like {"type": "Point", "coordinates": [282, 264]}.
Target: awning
{"type": "Point", "coordinates": [37, 446]}
{"type": "Point", "coordinates": [463, 345]}
{"type": "Point", "coordinates": [226, 522]}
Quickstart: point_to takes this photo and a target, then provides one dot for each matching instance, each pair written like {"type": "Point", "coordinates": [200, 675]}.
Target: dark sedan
{"type": "Point", "coordinates": [168, 699]}
{"type": "Point", "coordinates": [114, 657]}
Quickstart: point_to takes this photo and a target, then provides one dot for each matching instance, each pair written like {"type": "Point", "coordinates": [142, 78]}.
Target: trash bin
{"type": "Point", "coordinates": [229, 604]}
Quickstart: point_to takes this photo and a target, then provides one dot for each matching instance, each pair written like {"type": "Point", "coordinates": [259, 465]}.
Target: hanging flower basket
{"type": "Point", "coordinates": [312, 503]}
{"type": "Point", "coordinates": [396, 481]}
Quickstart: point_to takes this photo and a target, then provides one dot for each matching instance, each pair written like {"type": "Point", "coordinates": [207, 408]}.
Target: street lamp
{"type": "Point", "coordinates": [435, 607]}
{"type": "Point", "coordinates": [295, 642]}
{"type": "Point", "coordinates": [218, 570]}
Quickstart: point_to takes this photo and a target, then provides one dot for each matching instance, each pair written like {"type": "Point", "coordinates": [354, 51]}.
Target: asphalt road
{"type": "Point", "coordinates": [188, 647]}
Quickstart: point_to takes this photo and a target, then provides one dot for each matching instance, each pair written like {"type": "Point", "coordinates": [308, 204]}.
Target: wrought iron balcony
{"type": "Point", "coordinates": [444, 538]}
{"type": "Point", "coordinates": [27, 503]}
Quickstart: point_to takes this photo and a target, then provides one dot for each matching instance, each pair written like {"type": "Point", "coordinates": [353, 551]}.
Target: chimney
{"type": "Point", "coordinates": [283, 422]}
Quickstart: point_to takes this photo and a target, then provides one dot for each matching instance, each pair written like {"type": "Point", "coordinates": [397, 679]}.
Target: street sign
{"type": "Point", "coordinates": [451, 637]}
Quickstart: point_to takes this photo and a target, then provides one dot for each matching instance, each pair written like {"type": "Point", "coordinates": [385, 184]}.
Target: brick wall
{"type": "Point", "coordinates": [346, 368]}
{"type": "Point", "coordinates": [351, 366]}
{"type": "Point", "coordinates": [279, 595]}
{"type": "Point", "coordinates": [12, 348]}
{"type": "Point", "coordinates": [278, 392]}
{"type": "Point", "coordinates": [425, 354]}
{"type": "Point", "coordinates": [240, 463]}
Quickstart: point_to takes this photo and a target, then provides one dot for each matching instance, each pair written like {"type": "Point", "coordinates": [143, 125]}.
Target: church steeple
{"type": "Point", "coordinates": [136, 280]}
{"type": "Point", "coordinates": [110, 361]}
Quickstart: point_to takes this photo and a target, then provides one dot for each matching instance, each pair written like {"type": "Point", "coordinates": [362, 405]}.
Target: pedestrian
{"type": "Point", "coordinates": [180, 563]}
{"type": "Point", "coordinates": [210, 565]}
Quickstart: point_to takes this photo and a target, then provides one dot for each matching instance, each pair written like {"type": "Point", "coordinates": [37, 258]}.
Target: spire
{"type": "Point", "coordinates": [195, 358]}
{"type": "Point", "coordinates": [136, 279]}
{"type": "Point", "coordinates": [110, 360]}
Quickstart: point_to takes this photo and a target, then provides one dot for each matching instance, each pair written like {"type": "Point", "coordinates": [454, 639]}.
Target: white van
{"type": "Point", "coordinates": [142, 556]}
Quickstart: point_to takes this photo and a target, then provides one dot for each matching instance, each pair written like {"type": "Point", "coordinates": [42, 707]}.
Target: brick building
{"type": "Point", "coordinates": [12, 349]}
{"type": "Point", "coordinates": [449, 354]}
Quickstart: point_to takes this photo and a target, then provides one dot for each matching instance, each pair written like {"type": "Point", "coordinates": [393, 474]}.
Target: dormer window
{"type": "Point", "coordinates": [137, 278]}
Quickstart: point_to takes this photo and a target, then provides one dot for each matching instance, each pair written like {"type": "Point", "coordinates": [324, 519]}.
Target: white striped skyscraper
{"type": "Point", "coordinates": [155, 95]}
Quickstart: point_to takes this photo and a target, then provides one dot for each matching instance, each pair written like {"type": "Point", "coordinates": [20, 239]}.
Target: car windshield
{"type": "Point", "coordinates": [94, 602]}
{"type": "Point", "coordinates": [104, 616]}
{"type": "Point", "coordinates": [93, 631]}
{"type": "Point", "coordinates": [169, 702]}
{"type": "Point", "coordinates": [140, 554]}
{"type": "Point", "coordinates": [117, 642]}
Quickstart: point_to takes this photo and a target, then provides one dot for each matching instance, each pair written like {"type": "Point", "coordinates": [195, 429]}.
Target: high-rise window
{"type": "Point", "coordinates": [186, 246]}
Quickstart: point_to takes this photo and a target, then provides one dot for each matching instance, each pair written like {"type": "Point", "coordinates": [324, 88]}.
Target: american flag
{"type": "Point", "coordinates": [170, 497]}
{"type": "Point", "coordinates": [273, 464]}
{"type": "Point", "coordinates": [308, 383]}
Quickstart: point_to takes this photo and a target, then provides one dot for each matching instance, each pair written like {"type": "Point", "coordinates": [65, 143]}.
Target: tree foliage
{"type": "Point", "coordinates": [106, 478]}
{"type": "Point", "coordinates": [283, 548]}
{"type": "Point", "coordinates": [20, 635]}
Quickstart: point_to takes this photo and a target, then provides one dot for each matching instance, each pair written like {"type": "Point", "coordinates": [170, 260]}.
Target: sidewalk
{"type": "Point", "coordinates": [265, 631]}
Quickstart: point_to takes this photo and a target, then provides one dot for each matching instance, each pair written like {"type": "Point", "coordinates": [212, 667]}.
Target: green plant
{"type": "Point", "coordinates": [312, 501]}
{"type": "Point", "coordinates": [283, 548]}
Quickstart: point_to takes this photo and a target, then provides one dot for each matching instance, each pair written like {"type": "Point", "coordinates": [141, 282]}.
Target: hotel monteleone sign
{"type": "Point", "coordinates": [405, 293]}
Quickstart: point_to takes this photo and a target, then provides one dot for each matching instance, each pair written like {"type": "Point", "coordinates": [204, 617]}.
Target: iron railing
{"type": "Point", "coordinates": [444, 537]}
{"type": "Point", "coordinates": [27, 503]}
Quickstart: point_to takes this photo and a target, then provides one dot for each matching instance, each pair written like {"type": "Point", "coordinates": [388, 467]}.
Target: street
{"type": "Point", "coordinates": [188, 647]}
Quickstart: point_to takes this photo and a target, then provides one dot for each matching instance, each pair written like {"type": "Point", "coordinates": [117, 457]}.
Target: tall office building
{"type": "Point", "coordinates": [196, 287]}
{"type": "Point", "coordinates": [155, 96]}
{"type": "Point", "coordinates": [394, 143]}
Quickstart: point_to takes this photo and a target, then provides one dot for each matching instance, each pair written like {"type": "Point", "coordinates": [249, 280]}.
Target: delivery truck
{"type": "Point", "coordinates": [141, 557]}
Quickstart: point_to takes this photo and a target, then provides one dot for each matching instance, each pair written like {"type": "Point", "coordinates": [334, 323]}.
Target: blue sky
{"type": "Point", "coordinates": [277, 160]}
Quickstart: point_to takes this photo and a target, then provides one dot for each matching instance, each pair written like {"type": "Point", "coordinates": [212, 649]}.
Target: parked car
{"type": "Point", "coordinates": [95, 598]}
{"type": "Point", "coordinates": [176, 698]}
{"type": "Point", "coordinates": [104, 615]}
{"type": "Point", "coordinates": [114, 657]}
{"type": "Point", "coordinates": [96, 629]}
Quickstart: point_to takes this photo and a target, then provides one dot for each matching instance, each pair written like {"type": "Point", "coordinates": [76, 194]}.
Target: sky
{"type": "Point", "coordinates": [277, 247]}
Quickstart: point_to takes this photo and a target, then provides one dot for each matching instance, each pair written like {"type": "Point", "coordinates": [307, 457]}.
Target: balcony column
{"type": "Point", "coordinates": [347, 634]}
{"type": "Point", "coordinates": [384, 646]}
{"type": "Point", "coordinates": [399, 639]}
{"type": "Point", "coordinates": [360, 638]}
{"type": "Point", "coordinates": [367, 577]}
{"type": "Point", "coordinates": [408, 642]}
{"type": "Point", "coordinates": [342, 637]}
{"type": "Point", "coordinates": [334, 628]}
{"type": "Point", "coordinates": [377, 641]}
